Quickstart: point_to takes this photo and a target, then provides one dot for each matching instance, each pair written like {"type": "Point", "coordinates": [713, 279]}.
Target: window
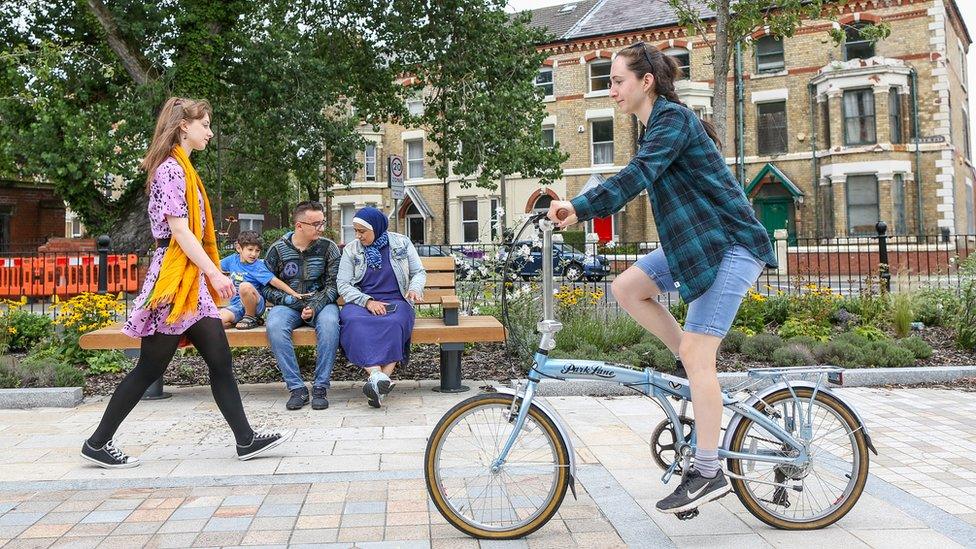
{"type": "Point", "coordinates": [898, 203]}
{"type": "Point", "coordinates": [415, 225]}
{"type": "Point", "coordinates": [894, 115]}
{"type": "Point", "coordinates": [683, 58]}
{"type": "Point", "coordinates": [495, 218]}
{"type": "Point", "coordinates": [469, 220]}
{"type": "Point", "coordinates": [601, 136]}
{"type": "Point", "coordinates": [542, 203]}
{"type": "Point", "coordinates": [6, 212]}
{"type": "Point", "coordinates": [967, 145]}
{"type": "Point", "coordinates": [548, 136]}
{"type": "Point", "coordinates": [250, 222]}
{"type": "Point", "coordinates": [859, 126]}
{"type": "Point", "coordinates": [769, 54]}
{"type": "Point", "coordinates": [862, 204]}
{"type": "Point", "coordinates": [825, 114]}
{"type": "Point", "coordinates": [415, 107]}
{"type": "Point", "coordinates": [599, 76]}
{"type": "Point", "coordinates": [415, 159]}
{"type": "Point", "coordinates": [346, 213]}
{"type": "Point", "coordinates": [544, 82]}
{"type": "Point", "coordinates": [855, 46]}
{"type": "Point", "coordinates": [369, 164]}
{"type": "Point", "coordinates": [962, 63]}
{"type": "Point", "coordinates": [74, 227]}
{"type": "Point", "coordinates": [771, 125]}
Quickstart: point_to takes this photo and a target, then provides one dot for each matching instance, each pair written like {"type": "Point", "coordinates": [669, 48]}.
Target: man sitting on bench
{"type": "Point", "coordinates": [308, 263]}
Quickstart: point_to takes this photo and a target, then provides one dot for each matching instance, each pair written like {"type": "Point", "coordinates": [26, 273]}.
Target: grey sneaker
{"type": "Point", "coordinates": [319, 399]}
{"type": "Point", "coordinates": [694, 491]}
{"type": "Point", "coordinates": [298, 399]}
{"type": "Point", "coordinates": [372, 394]}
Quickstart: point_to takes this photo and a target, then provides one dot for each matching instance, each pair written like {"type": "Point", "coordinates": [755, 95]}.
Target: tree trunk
{"type": "Point", "coordinates": [132, 233]}
{"type": "Point", "coordinates": [720, 68]}
{"type": "Point", "coordinates": [134, 62]}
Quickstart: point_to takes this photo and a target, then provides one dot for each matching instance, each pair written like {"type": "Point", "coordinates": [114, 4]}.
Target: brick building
{"type": "Point", "coordinates": [830, 138]}
{"type": "Point", "coordinates": [30, 213]}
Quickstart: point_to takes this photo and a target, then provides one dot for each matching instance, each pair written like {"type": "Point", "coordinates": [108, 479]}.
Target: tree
{"type": "Point", "coordinates": [735, 20]}
{"type": "Point", "coordinates": [474, 67]}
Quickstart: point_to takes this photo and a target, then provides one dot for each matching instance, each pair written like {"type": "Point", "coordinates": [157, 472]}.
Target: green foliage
{"type": "Point", "coordinates": [870, 333]}
{"type": "Point", "coordinates": [793, 354]}
{"type": "Point", "coordinates": [733, 341]}
{"type": "Point", "coordinates": [576, 239]}
{"type": "Point", "coordinates": [663, 360]}
{"type": "Point", "coordinates": [752, 312]}
{"type": "Point", "coordinates": [935, 306]}
{"type": "Point", "coordinates": [761, 346]}
{"type": "Point", "coordinates": [39, 370]}
{"type": "Point", "coordinates": [106, 362]}
{"type": "Point", "coordinates": [917, 346]}
{"type": "Point", "coordinates": [886, 354]}
{"type": "Point", "coordinates": [777, 308]}
{"type": "Point", "coordinates": [804, 340]}
{"type": "Point", "coordinates": [853, 338]}
{"type": "Point", "coordinates": [29, 329]}
{"type": "Point", "coordinates": [679, 311]}
{"type": "Point", "coordinates": [794, 327]}
{"type": "Point", "coordinates": [839, 353]}
{"type": "Point", "coordinates": [965, 321]}
{"type": "Point", "coordinates": [902, 314]}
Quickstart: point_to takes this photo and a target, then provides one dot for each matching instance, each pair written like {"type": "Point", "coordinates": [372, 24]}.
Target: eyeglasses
{"type": "Point", "coordinates": [318, 226]}
{"type": "Point", "coordinates": [642, 46]}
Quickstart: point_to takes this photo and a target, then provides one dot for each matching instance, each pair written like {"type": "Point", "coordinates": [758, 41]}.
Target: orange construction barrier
{"type": "Point", "coordinates": [65, 275]}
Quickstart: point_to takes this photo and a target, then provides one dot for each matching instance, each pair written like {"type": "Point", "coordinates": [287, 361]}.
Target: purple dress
{"type": "Point", "coordinates": [167, 196]}
{"type": "Point", "coordinates": [374, 340]}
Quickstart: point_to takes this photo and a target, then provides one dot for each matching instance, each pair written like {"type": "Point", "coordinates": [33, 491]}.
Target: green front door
{"type": "Point", "coordinates": [777, 213]}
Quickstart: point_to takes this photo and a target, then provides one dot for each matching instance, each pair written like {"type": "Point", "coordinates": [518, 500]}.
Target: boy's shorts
{"type": "Point", "coordinates": [236, 306]}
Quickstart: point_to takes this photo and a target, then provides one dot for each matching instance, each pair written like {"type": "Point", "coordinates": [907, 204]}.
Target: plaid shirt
{"type": "Point", "coordinates": [700, 209]}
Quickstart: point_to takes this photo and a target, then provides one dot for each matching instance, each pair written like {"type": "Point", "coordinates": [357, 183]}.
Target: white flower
{"type": "Point", "coordinates": [500, 212]}
{"type": "Point", "coordinates": [835, 25]}
{"type": "Point", "coordinates": [611, 245]}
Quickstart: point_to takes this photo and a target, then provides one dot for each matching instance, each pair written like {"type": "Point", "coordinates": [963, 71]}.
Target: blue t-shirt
{"type": "Point", "coordinates": [256, 273]}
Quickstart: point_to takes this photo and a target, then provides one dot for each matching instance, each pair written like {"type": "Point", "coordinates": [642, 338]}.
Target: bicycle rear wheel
{"type": "Point", "coordinates": [511, 502]}
{"type": "Point", "coordinates": [811, 497]}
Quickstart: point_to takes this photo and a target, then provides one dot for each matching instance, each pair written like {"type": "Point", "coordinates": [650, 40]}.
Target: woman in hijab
{"type": "Point", "coordinates": [380, 279]}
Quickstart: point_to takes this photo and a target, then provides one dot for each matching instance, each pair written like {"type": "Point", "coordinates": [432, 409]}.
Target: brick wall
{"type": "Point", "coordinates": [36, 213]}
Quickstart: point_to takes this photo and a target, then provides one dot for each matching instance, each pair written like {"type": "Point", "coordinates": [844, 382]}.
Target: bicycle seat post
{"type": "Point", "coordinates": [549, 325]}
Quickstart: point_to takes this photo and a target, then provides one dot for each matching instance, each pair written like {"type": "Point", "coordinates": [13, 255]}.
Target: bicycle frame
{"type": "Point", "coordinates": [649, 382]}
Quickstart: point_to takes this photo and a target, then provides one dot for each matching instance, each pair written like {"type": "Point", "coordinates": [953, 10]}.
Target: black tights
{"type": "Point", "coordinates": [157, 350]}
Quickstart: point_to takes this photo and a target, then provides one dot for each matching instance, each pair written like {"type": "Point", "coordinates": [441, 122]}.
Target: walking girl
{"type": "Point", "coordinates": [712, 246]}
{"type": "Point", "coordinates": [181, 290]}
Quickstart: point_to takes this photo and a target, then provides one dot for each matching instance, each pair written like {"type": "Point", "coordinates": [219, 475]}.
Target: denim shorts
{"type": "Point", "coordinates": [236, 306]}
{"type": "Point", "coordinates": [713, 312]}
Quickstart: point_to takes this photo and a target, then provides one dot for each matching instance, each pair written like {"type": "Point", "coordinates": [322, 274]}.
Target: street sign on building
{"type": "Point", "coordinates": [396, 177]}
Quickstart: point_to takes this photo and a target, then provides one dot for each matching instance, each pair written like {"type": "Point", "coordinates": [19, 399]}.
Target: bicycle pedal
{"type": "Point", "coordinates": [688, 515]}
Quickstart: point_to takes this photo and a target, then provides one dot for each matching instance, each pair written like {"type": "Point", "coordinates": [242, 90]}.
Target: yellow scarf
{"type": "Point", "coordinates": [179, 279]}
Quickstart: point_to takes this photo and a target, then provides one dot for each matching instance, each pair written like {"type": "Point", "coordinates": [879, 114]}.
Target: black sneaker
{"type": "Point", "coordinates": [385, 387]}
{"type": "Point", "coordinates": [372, 394]}
{"type": "Point", "coordinates": [108, 456]}
{"type": "Point", "coordinates": [262, 442]}
{"type": "Point", "coordinates": [695, 491]}
{"type": "Point", "coordinates": [299, 398]}
{"type": "Point", "coordinates": [319, 402]}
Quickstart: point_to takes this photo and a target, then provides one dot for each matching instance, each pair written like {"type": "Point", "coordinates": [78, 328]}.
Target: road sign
{"type": "Point", "coordinates": [396, 177]}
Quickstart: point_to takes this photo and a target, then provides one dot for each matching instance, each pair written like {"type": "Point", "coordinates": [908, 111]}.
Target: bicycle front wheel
{"type": "Point", "coordinates": [801, 498]}
{"type": "Point", "coordinates": [513, 501]}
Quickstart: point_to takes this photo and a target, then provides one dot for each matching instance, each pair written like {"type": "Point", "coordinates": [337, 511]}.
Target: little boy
{"type": "Point", "coordinates": [249, 274]}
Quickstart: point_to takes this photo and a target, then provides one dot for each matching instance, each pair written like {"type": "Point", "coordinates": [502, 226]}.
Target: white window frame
{"type": "Point", "coordinates": [551, 130]}
{"type": "Point", "coordinates": [686, 69]}
{"type": "Point", "coordinates": [551, 83]}
{"type": "Point", "coordinates": [412, 160]}
{"type": "Point", "coordinates": [345, 229]}
{"type": "Point", "coordinates": [369, 161]}
{"type": "Point", "coordinates": [593, 144]}
{"type": "Point", "coordinates": [589, 72]}
{"type": "Point", "coordinates": [250, 219]}
{"type": "Point", "coordinates": [465, 222]}
{"type": "Point", "coordinates": [415, 106]}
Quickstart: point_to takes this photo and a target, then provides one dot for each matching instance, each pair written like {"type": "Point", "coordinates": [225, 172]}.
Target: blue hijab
{"type": "Point", "coordinates": [373, 219]}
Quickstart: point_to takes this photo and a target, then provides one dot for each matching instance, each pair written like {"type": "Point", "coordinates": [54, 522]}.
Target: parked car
{"type": "Point", "coordinates": [566, 260]}
{"type": "Point", "coordinates": [466, 266]}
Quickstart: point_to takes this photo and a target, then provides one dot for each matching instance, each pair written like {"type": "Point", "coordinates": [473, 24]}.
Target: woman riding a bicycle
{"type": "Point", "coordinates": [713, 248]}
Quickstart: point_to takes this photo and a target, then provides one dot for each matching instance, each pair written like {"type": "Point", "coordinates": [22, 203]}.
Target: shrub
{"type": "Point", "coordinates": [805, 341]}
{"type": "Point", "coordinates": [752, 311]}
{"type": "Point", "coordinates": [814, 303]}
{"type": "Point", "coordinates": [917, 346]}
{"type": "Point", "coordinates": [793, 355]}
{"type": "Point", "coordinates": [870, 333]}
{"type": "Point", "coordinates": [852, 338]}
{"type": "Point", "coordinates": [902, 314]}
{"type": "Point", "coordinates": [777, 308]}
{"type": "Point", "coordinates": [28, 329]}
{"type": "Point", "coordinates": [966, 315]}
{"type": "Point", "coordinates": [106, 362]}
{"type": "Point", "coordinates": [794, 327]}
{"type": "Point", "coordinates": [733, 341]}
{"type": "Point", "coordinates": [839, 353]}
{"type": "Point", "coordinates": [761, 346]}
{"type": "Point", "coordinates": [680, 311]}
{"type": "Point", "coordinates": [81, 314]}
{"type": "Point", "coordinates": [663, 360]}
{"type": "Point", "coordinates": [39, 370]}
{"type": "Point", "coordinates": [934, 306]}
{"type": "Point", "coordinates": [885, 354]}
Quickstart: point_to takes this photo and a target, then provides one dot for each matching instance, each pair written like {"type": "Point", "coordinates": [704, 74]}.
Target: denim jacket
{"type": "Point", "coordinates": [409, 271]}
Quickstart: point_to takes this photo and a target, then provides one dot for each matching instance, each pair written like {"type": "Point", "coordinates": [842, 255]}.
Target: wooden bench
{"type": "Point", "coordinates": [451, 331]}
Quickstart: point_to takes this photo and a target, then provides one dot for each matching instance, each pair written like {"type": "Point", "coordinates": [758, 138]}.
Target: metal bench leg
{"type": "Point", "coordinates": [451, 369]}
{"type": "Point", "coordinates": [155, 391]}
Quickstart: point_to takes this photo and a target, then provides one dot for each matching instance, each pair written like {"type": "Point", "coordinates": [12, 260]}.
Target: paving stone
{"type": "Point", "coordinates": [307, 522]}
{"type": "Point", "coordinates": [227, 524]}
{"type": "Point", "coordinates": [172, 541]}
{"type": "Point", "coordinates": [183, 526]}
{"type": "Point", "coordinates": [324, 535]}
{"type": "Point", "coordinates": [279, 510]}
{"type": "Point", "coordinates": [218, 539]}
{"type": "Point", "coordinates": [357, 507]}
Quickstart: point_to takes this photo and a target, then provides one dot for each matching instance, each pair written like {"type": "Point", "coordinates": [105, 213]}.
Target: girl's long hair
{"type": "Point", "coordinates": [643, 58]}
{"type": "Point", "coordinates": [167, 134]}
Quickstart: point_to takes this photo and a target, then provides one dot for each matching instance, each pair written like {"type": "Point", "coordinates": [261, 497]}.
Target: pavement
{"type": "Point", "coordinates": [352, 476]}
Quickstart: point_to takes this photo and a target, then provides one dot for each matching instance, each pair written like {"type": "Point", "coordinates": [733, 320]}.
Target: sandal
{"type": "Point", "coordinates": [248, 323]}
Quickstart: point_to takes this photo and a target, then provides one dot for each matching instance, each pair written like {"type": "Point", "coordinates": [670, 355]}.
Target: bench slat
{"type": "Point", "coordinates": [440, 280]}
{"type": "Point", "coordinates": [426, 330]}
{"type": "Point", "coordinates": [438, 263]}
